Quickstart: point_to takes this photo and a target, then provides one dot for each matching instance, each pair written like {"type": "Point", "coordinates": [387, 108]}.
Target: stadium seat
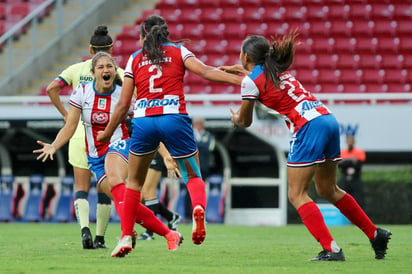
{"type": "Point", "coordinates": [376, 88]}
{"type": "Point", "coordinates": [6, 197]}
{"type": "Point", "coordinates": [316, 12]}
{"type": "Point", "coordinates": [369, 60]}
{"type": "Point", "coordinates": [347, 60]}
{"type": "Point", "coordinates": [3, 11]}
{"type": "Point", "coordinates": [341, 27]}
{"type": "Point", "coordinates": [362, 28]}
{"type": "Point", "coordinates": [394, 75]}
{"type": "Point", "coordinates": [382, 11]}
{"type": "Point", "coordinates": [34, 201]}
{"type": "Point", "coordinates": [338, 10]}
{"type": "Point", "coordinates": [328, 61]}
{"type": "Point", "coordinates": [211, 14]}
{"type": "Point", "coordinates": [388, 44]}
{"type": "Point", "coordinates": [64, 210]}
{"type": "Point", "coordinates": [190, 14]}
{"type": "Point", "coordinates": [304, 61]}
{"type": "Point", "coordinates": [328, 76]}
{"type": "Point", "coordinates": [384, 26]}
{"type": "Point", "coordinates": [364, 44]}
{"type": "Point", "coordinates": [392, 61]}
{"type": "Point", "coordinates": [403, 10]}
{"type": "Point", "coordinates": [359, 11]}
{"type": "Point", "coordinates": [373, 76]}
{"type": "Point", "coordinates": [350, 76]}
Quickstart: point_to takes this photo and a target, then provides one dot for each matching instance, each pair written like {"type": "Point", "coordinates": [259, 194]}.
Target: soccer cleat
{"type": "Point", "coordinates": [325, 255]}
{"type": "Point", "coordinates": [199, 228]}
{"type": "Point", "coordinates": [99, 242]}
{"type": "Point", "coordinates": [134, 238]}
{"type": "Point", "coordinates": [87, 239]}
{"type": "Point", "coordinates": [380, 243]}
{"type": "Point", "coordinates": [146, 236]}
{"type": "Point", "coordinates": [123, 247]}
{"type": "Point", "coordinates": [172, 224]}
{"type": "Point", "coordinates": [174, 239]}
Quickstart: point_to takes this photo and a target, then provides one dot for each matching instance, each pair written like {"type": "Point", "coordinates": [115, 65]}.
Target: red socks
{"type": "Point", "coordinates": [133, 211]}
{"type": "Point", "coordinates": [118, 197]}
{"type": "Point", "coordinates": [148, 220]}
{"type": "Point", "coordinates": [351, 209]}
{"type": "Point", "coordinates": [129, 211]}
{"type": "Point", "coordinates": [197, 192]}
{"type": "Point", "coordinates": [313, 220]}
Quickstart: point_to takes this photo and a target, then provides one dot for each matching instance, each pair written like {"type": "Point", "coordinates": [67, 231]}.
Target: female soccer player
{"type": "Point", "coordinates": [157, 72]}
{"type": "Point", "coordinates": [315, 145]}
{"type": "Point", "coordinates": [74, 75]}
{"type": "Point", "coordinates": [94, 102]}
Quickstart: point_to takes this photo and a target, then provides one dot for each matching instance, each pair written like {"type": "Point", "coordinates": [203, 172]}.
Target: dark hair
{"type": "Point", "coordinates": [154, 30]}
{"type": "Point", "coordinates": [97, 56]}
{"type": "Point", "coordinates": [275, 58]}
{"type": "Point", "coordinates": [101, 41]}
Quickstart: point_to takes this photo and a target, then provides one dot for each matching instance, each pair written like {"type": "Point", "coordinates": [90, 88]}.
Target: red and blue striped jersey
{"type": "Point", "coordinates": [159, 88]}
{"type": "Point", "coordinates": [290, 99]}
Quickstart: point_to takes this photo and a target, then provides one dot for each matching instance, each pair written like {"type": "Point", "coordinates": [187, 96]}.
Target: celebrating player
{"type": "Point", "coordinates": [315, 145]}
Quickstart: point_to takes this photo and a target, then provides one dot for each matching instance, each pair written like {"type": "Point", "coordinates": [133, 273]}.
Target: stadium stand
{"type": "Point", "coordinates": [6, 197]}
{"type": "Point", "coordinates": [35, 196]}
{"type": "Point", "coordinates": [358, 35]}
{"type": "Point", "coordinates": [65, 210]}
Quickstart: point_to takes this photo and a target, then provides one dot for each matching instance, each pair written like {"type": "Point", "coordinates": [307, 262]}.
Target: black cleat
{"type": "Point", "coordinates": [134, 238]}
{"type": "Point", "coordinates": [146, 236]}
{"type": "Point", "coordinates": [380, 243]}
{"type": "Point", "coordinates": [99, 242]}
{"type": "Point", "coordinates": [172, 224]}
{"type": "Point", "coordinates": [87, 239]}
{"type": "Point", "coordinates": [325, 255]}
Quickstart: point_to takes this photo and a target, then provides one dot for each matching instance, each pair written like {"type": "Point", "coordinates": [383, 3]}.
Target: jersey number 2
{"type": "Point", "coordinates": [153, 77]}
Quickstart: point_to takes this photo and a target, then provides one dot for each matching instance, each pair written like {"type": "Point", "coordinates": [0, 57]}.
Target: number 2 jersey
{"type": "Point", "coordinates": [159, 88]}
{"type": "Point", "coordinates": [96, 111]}
{"type": "Point", "coordinates": [289, 99]}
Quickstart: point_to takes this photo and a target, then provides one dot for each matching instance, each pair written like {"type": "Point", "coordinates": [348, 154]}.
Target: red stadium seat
{"type": "Point", "coordinates": [359, 10]}
{"type": "Point", "coordinates": [347, 60]}
{"type": "Point", "coordinates": [362, 28]}
{"type": "Point", "coordinates": [376, 88]}
{"type": "Point", "coordinates": [350, 76]}
{"type": "Point", "coordinates": [252, 14]}
{"type": "Point", "coordinates": [3, 11]}
{"type": "Point", "coordinates": [341, 27]}
{"type": "Point", "coordinates": [216, 46]}
{"type": "Point", "coordinates": [366, 44]}
{"type": "Point", "coordinates": [398, 87]}
{"type": "Point", "coordinates": [384, 27]}
{"type": "Point", "coordinates": [344, 44]}
{"type": "Point", "coordinates": [316, 11]}
{"type": "Point", "coordinates": [328, 76]}
{"type": "Point", "coordinates": [190, 15]}
{"type": "Point", "coordinates": [304, 61]}
{"type": "Point", "coordinates": [388, 44]}
{"type": "Point", "coordinates": [403, 27]}
{"type": "Point", "coordinates": [369, 60]}
{"type": "Point", "coordinates": [234, 30]}
{"type": "Point", "coordinates": [232, 14]}
{"type": "Point", "coordinates": [338, 11]}
{"type": "Point", "coordinates": [395, 75]}
{"type": "Point", "coordinates": [353, 88]}
{"type": "Point", "coordinates": [403, 10]}
{"type": "Point", "coordinates": [328, 61]}
{"type": "Point", "coordinates": [211, 14]}
{"type": "Point", "coordinates": [392, 61]}
{"type": "Point", "coordinates": [382, 11]}
{"type": "Point", "coordinates": [373, 76]}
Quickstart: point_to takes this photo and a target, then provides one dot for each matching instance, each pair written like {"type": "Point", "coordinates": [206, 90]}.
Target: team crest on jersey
{"type": "Point", "coordinates": [101, 103]}
{"type": "Point", "coordinates": [100, 118]}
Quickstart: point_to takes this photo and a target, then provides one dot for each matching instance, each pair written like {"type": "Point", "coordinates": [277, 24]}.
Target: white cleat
{"type": "Point", "coordinates": [124, 247]}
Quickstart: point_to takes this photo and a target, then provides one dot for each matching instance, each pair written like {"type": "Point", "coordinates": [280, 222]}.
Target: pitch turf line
{"type": "Point", "coordinates": [56, 248]}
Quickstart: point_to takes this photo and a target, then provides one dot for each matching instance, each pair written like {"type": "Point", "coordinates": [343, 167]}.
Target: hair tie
{"type": "Point", "coordinates": [99, 47]}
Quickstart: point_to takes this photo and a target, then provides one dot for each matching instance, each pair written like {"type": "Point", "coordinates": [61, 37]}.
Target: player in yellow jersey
{"type": "Point", "coordinates": [74, 75]}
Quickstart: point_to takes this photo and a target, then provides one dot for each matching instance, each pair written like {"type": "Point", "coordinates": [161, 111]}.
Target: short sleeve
{"type": "Point", "coordinates": [76, 97]}
{"type": "Point", "coordinates": [128, 71]}
{"type": "Point", "coordinates": [249, 90]}
{"type": "Point", "coordinates": [186, 53]}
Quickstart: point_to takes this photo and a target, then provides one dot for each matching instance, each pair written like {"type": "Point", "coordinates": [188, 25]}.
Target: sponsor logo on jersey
{"type": "Point", "coordinates": [85, 78]}
{"type": "Point", "coordinates": [100, 117]}
{"type": "Point", "coordinates": [101, 103]}
{"type": "Point", "coordinates": [144, 103]}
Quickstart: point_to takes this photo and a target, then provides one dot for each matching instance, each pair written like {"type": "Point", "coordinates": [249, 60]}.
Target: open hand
{"type": "Point", "coordinates": [47, 151]}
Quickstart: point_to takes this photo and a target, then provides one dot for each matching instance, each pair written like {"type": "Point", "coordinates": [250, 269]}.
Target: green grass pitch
{"type": "Point", "coordinates": [56, 248]}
